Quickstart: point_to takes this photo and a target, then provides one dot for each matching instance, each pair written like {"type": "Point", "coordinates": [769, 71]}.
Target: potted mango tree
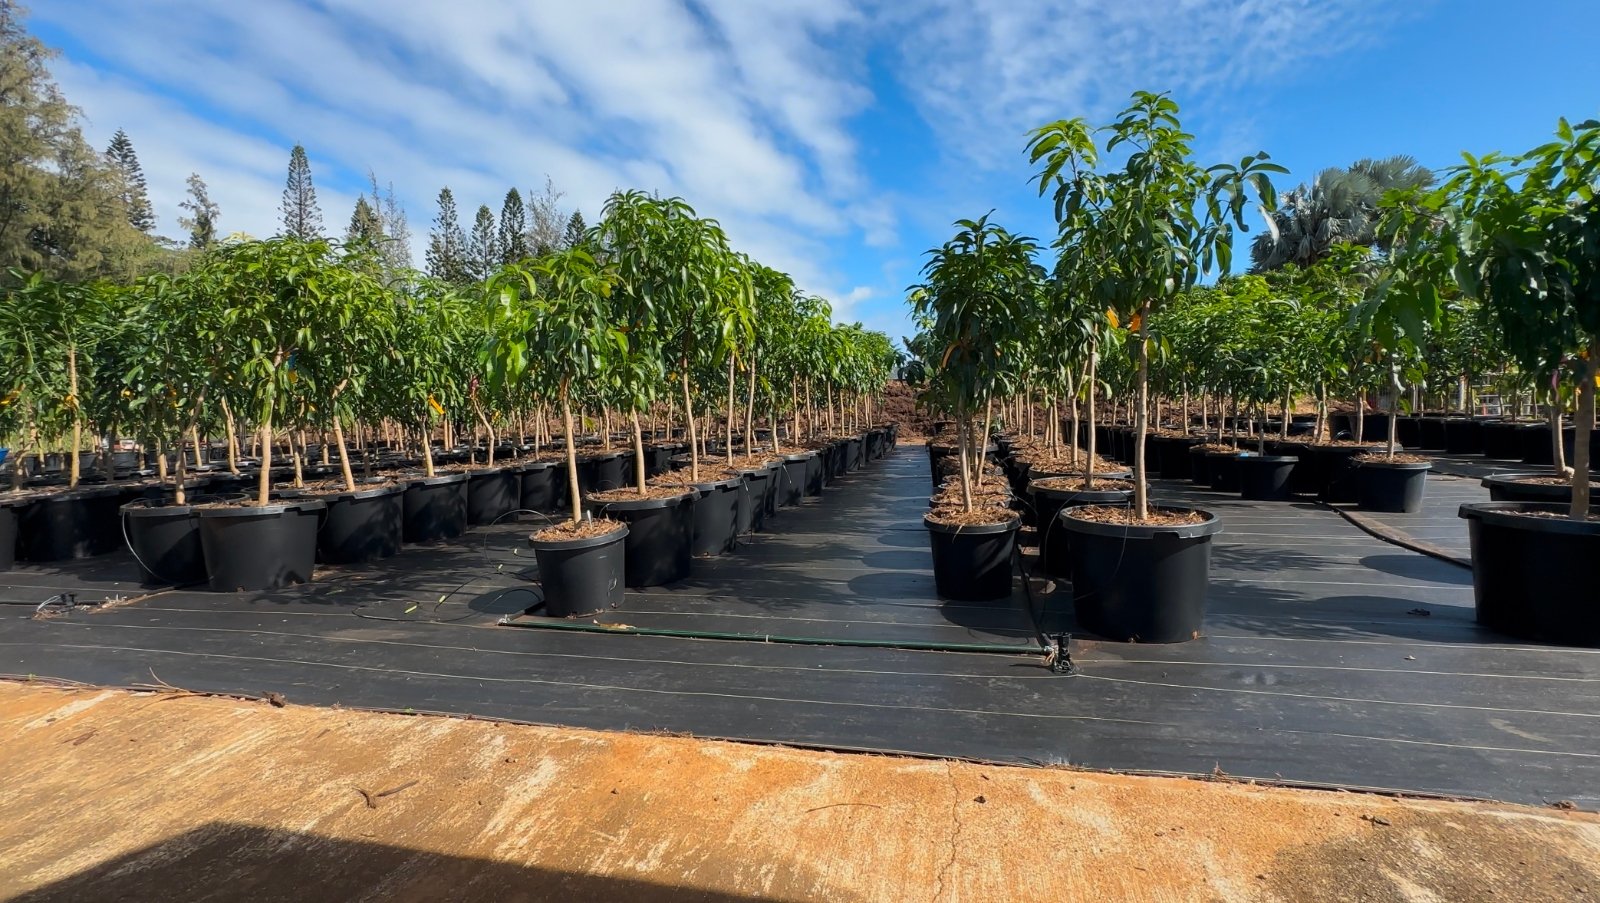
{"type": "Point", "coordinates": [977, 289]}
{"type": "Point", "coordinates": [1140, 573]}
{"type": "Point", "coordinates": [1522, 235]}
{"type": "Point", "coordinates": [551, 313]}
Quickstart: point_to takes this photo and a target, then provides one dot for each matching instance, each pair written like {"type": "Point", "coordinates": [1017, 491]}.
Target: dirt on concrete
{"type": "Point", "coordinates": [110, 794]}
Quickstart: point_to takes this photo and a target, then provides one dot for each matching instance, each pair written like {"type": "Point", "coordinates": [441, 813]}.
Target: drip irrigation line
{"type": "Point", "coordinates": [626, 630]}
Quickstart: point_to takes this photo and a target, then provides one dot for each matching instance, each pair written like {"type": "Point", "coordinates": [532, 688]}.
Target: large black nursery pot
{"type": "Point", "coordinates": [1462, 436]}
{"type": "Point", "coordinates": [838, 452]}
{"type": "Point", "coordinates": [364, 525]}
{"type": "Point", "coordinates": [1141, 583]}
{"type": "Point", "coordinates": [8, 531]}
{"type": "Point", "coordinates": [165, 542]}
{"type": "Point", "coordinates": [581, 576]}
{"type": "Point", "coordinates": [1534, 577]}
{"type": "Point", "coordinates": [1199, 466]}
{"type": "Point", "coordinates": [1172, 455]}
{"type": "Point", "coordinates": [752, 511]}
{"type": "Point", "coordinates": [1391, 486]}
{"type": "Point", "coordinates": [777, 473]}
{"type": "Point", "coordinates": [542, 485]}
{"type": "Point", "coordinates": [1265, 478]}
{"type": "Point", "coordinates": [659, 546]}
{"type": "Point", "coordinates": [435, 508]}
{"type": "Point", "coordinates": [1333, 470]}
{"type": "Point", "coordinates": [816, 472]}
{"type": "Point", "coordinates": [603, 471]}
{"type": "Point", "coordinates": [972, 563]}
{"type": "Point", "coordinates": [795, 483]}
{"type": "Point", "coordinates": [492, 493]}
{"type": "Point", "coordinates": [1055, 540]}
{"type": "Point", "coordinates": [1508, 487]}
{"type": "Point", "coordinates": [1408, 431]}
{"type": "Point", "coordinates": [259, 548]}
{"type": "Point", "coordinates": [1223, 469]}
{"type": "Point", "coordinates": [716, 516]}
{"type": "Point", "coordinates": [78, 523]}
{"type": "Point", "coordinates": [855, 453]}
{"type": "Point", "coordinates": [658, 458]}
{"type": "Point", "coordinates": [1537, 448]}
{"type": "Point", "coordinates": [1501, 439]}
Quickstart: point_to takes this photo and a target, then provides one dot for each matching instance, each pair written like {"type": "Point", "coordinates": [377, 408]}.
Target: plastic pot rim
{"type": "Point", "coordinates": [1210, 527]}
{"type": "Point", "coordinates": [640, 504]}
{"type": "Point", "coordinates": [1511, 514]}
{"type": "Point", "coordinates": [305, 505]}
{"type": "Point", "coordinates": [437, 480]}
{"type": "Point", "coordinates": [1396, 465]}
{"type": "Point", "coordinates": [1014, 523]}
{"type": "Point", "coordinates": [1268, 459]}
{"type": "Point", "coordinates": [1062, 494]}
{"type": "Point", "coordinates": [586, 542]}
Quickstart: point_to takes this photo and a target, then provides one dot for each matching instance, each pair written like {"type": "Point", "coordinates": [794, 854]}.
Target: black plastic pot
{"type": "Point", "coordinates": [165, 542]}
{"type": "Point", "coordinates": [541, 486]}
{"type": "Point", "coordinates": [79, 523]}
{"type": "Point", "coordinates": [581, 576]}
{"type": "Point", "coordinates": [1462, 436]}
{"type": "Point", "coordinates": [364, 525]}
{"type": "Point", "coordinates": [973, 563]}
{"type": "Point", "coordinates": [777, 473]}
{"type": "Point", "coordinates": [1408, 431]}
{"type": "Point", "coordinates": [716, 516]}
{"type": "Point", "coordinates": [1506, 487]}
{"type": "Point", "coordinates": [1199, 466]}
{"type": "Point", "coordinates": [1393, 487]}
{"type": "Point", "coordinates": [1172, 455]}
{"type": "Point", "coordinates": [1055, 541]}
{"type": "Point", "coordinates": [752, 512]}
{"type": "Point", "coordinates": [1266, 477]}
{"type": "Point", "coordinates": [799, 471]}
{"type": "Point", "coordinates": [603, 471]}
{"type": "Point", "coordinates": [492, 493]}
{"type": "Point", "coordinates": [1223, 469]}
{"type": "Point", "coordinates": [260, 548]}
{"type": "Point", "coordinates": [1533, 577]}
{"type": "Point", "coordinates": [855, 453]}
{"type": "Point", "coordinates": [435, 508]}
{"type": "Point", "coordinates": [1501, 439]}
{"type": "Point", "coordinates": [658, 459]}
{"type": "Point", "coordinates": [1143, 584]}
{"type": "Point", "coordinates": [660, 542]}
{"type": "Point", "coordinates": [816, 473]}
{"type": "Point", "coordinates": [8, 533]}
{"type": "Point", "coordinates": [837, 453]}
{"type": "Point", "coordinates": [1333, 471]}
{"type": "Point", "coordinates": [1537, 447]}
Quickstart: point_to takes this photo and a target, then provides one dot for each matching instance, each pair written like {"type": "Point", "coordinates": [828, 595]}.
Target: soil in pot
{"type": "Point", "coordinates": [1533, 571]}
{"type": "Point", "coordinates": [254, 548]}
{"type": "Point", "coordinates": [659, 546]}
{"type": "Point", "coordinates": [1533, 487]}
{"type": "Point", "coordinates": [582, 566]}
{"type": "Point", "coordinates": [973, 552]}
{"type": "Point", "coordinates": [1139, 581]}
{"type": "Point", "coordinates": [1394, 485]}
{"type": "Point", "coordinates": [165, 542]}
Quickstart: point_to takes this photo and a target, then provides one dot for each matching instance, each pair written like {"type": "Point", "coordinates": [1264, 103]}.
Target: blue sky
{"type": "Point", "coordinates": [835, 139]}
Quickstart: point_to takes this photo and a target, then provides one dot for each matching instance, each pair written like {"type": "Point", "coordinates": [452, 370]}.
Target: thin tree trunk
{"type": "Point", "coordinates": [983, 440]}
{"type": "Point", "coordinates": [1088, 469]}
{"type": "Point", "coordinates": [728, 417]}
{"type": "Point", "coordinates": [750, 410]}
{"type": "Point", "coordinates": [427, 448]}
{"type": "Point", "coordinates": [572, 456]}
{"type": "Point", "coordinates": [344, 454]}
{"type": "Point", "coordinates": [1558, 451]}
{"type": "Point", "coordinates": [694, 436]}
{"type": "Point", "coordinates": [264, 484]}
{"type": "Point", "coordinates": [77, 415]}
{"type": "Point", "coordinates": [963, 437]}
{"type": "Point", "coordinates": [1581, 452]}
{"type": "Point", "coordinates": [1141, 487]}
{"type": "Point", "coordinates": [638, 455]}
{"type": "Point", "coordinates": [233, 436]}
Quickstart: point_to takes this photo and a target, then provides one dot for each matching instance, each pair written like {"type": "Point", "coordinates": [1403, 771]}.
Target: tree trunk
{"type": "Point", "coordinates": [1141, 425]}
{"type": "Point", "coordinates": [264, 484]}
{"type": "Point", "coordinates": [1358, 427]}
{"type": "Point", "coordinates": [572, 456]}
{"type": "Point", "coordinates": [1558, 452]}
{"type": "Point", "coordinates": [233, 436]}
{"type": "Point", "coordinates": [427, 448]}
{"type": "Point", "coordinates": [983, 441]}
{"type": "Point", "coordinates": [963, 439]}
{"type": "Point", "coordinates": [77, 415]}
{"type": "Point", "coordinates": [728, 418]}
{"type": "Point", "coordinates": [688, 416]}
{"type": "Point", "coordinates": [638, 455]}
{"type": "Point", "coordinates": [344, 454]}
{"type": "Point", "coordinates": [1088, 469]}
{"type": "Point", "coordinates": [750, 410]}
{"type": "Point", "coordinates": [1581, 452]}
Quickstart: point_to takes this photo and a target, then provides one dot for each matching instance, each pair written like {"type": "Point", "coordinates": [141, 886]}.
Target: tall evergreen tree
{"type": "Point", "coordinates": [366, 227]}
{"type": "Point", "coordinates": [483, 245]}
{"type": "Point", "coordinates": [513, 228]}
{"type": "Point", "coordinates": [135, 193]}
{"type": "Point", "coordinates": [575, 231]}
{"type": "Point", "coordinates": [301, 217]}
{"type": "Point", "coordinates": [447, 244]}
{"type": "Point", "coordinates": [546, 220]}
{"type": "Point", "coordinates": [201, 222]}
{"type": "Point", "coordinates": [397, 250]}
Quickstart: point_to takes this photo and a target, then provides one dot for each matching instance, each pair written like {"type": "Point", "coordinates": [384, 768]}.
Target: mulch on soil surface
{"type": "Point", "coordinates": [652, 490]}
{"type": "Point", "coordinates": [987, 495]}
{"type": "Point", "coordinates": [1077, 483]}
{"type": "Point", "coordinates": [958, 517]}
{"type": "Point", "coordinates": [578, 529]}
{"type": "Point", "coordinates": [1216, 448]}
{"type": "Point", "coordinates": [1159, 517]}
{"type": "Point", "coordinates": [1399, 458]}
{"type": "Point", "coordinates": [1551, 481]}
{"type": "Point", "coordinates": [748, 462]}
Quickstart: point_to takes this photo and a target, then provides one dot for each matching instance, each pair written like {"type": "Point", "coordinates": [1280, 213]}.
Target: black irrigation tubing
{"type": "Point", "coordinates": [913, 645]}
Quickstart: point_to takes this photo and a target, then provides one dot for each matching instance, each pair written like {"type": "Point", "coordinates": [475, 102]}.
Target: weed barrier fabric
{"type": "Point", "coordinates": [1311, 667]}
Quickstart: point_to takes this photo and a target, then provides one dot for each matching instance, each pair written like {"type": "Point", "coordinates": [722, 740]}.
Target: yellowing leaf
{"type": "Point", "coordinates": [1111, 317]}
{"type": "Point", "coordinates": [434, 403]}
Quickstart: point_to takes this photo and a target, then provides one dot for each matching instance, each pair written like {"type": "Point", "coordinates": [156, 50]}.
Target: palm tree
{"type": "Point", "coordinates": [1340, 206]}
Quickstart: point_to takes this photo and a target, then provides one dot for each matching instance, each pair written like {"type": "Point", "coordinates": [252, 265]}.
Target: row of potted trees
{"type": "Point", "coordinates": [359, 413]}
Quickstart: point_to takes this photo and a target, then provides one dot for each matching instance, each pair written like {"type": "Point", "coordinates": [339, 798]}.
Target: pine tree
{"type": "Point", "coordinates": [447, 244]}
{"type": "Point", "coordinates": [366, 227]}
{"type": "Point", "coordinates": [576, 231]}
{"type": "Point", "coordinates": [513, 228]}
{"type": "Point", "coordinates": [546, 219]}
{"type": "Point", "coordinates": [301, 218]}
{"type": "Point", "coordinates": [135, 193]}
{"type": "Point", "coordinates": [201, 222]}
{"type": "Point", "coordinates": [483, 246]}
{"type": "Point", "coordinates": [397, 250]}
